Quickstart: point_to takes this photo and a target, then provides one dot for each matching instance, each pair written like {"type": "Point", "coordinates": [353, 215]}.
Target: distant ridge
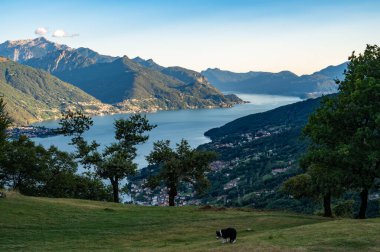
{"type": "Point", "coordinates": [282, 83]}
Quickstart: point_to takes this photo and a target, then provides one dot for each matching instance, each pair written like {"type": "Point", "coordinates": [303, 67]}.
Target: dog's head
{"type": "Point", "coordinates": [218, 234]}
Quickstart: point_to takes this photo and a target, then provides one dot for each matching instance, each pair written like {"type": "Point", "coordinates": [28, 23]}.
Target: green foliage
{"type": "Point", "coordinates": [131, 132]}
{"type": "Point", "coordinates": [299, 186]}
{"type": "Point", "coordinates": [23, 164]}
{"type": "Point", "coordinates": [34, 170]}
{"type": "Point", "coordinates": [75, 123]}
{"type": "Point", "coordinates": [5, 121]}
{"type": "Point", "coordinates": [116, 161]}
{"type": "Point", "coordinates": [344, 131]}
{"type": "Point", "coordinates": [344, 209]}
{"type": "Point", "coordinates": [183, 164]}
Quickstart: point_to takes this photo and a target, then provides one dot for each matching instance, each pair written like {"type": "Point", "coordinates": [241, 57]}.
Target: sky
{"type": "Point", "coordinates": [236, 35]}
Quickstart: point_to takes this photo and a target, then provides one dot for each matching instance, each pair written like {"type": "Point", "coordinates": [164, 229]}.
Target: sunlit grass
{"type": "Point", "coordinates": [29, 223]}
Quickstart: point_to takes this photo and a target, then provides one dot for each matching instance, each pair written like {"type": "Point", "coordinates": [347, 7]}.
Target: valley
{"type": "Point", "coordinates": [190, 125]}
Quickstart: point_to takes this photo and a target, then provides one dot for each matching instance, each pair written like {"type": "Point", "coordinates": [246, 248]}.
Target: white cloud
{"type": "Point", "coordinates": [41, 31]}
{"type": "Point", "coordinates": [62, 34]}
{"type": "Point", "coordinates": [59, 33]}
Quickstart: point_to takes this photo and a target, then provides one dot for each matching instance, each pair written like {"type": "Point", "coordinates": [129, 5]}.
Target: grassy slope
{"type": "Point", "coordinates": [35, 95]}
{"type": "Point", "coordinates": [28, 223]}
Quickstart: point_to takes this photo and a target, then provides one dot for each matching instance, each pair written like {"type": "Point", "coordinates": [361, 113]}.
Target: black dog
{"type": "Point", "coordinates": [227, 234]}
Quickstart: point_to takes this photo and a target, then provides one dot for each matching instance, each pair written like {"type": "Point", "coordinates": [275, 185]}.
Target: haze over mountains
{"type": "Point", "coordinates": [136, 85]}
{"type": "Point", "coordinates": [133, 85]}
{"type": "Point", "coordinates": [282, 83]}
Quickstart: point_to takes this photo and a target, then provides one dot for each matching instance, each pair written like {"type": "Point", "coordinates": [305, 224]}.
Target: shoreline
{"type": "Point", "coordinates": [34, 131]}
{"type": "Point", "coordinates": [31, 131]}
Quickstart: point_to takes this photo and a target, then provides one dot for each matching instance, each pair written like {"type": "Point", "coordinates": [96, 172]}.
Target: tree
{"type": "Point", "coordinates": [183, 164]}
{"type": "Point", "coordinates": [116, 161]}
{"type": "Point", "coordinates": [22, 163]}
{"type": "Point", "coordinates": [318, 182]}
{"type": "Point", "coordinates": [34, 170]}
{"type": "Point", "coordinates": [344, 131]}
{"type": "Point", "coordinates": [359, 110]}
{"type": "Point", "coordinates": [5, 121]}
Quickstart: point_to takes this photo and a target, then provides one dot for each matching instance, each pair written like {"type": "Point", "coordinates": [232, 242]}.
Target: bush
{"type": "Point", "coordinates": [344, 209]}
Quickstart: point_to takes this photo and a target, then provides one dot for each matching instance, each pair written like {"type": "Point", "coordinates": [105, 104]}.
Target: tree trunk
{"type": "Point", "coordinates": [363, 203]}
{"type": "Point", "coordinates": [327, 205]}
{"type": "Point", "coordinates": [172, 194]}
{"type": "Point", "coordinates": [115, 189]}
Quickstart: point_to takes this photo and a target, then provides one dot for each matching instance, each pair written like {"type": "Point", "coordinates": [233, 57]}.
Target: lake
{"type": "Point", "coordinates": [172, 125]}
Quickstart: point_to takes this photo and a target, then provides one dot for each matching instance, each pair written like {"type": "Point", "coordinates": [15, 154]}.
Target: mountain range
{"type": "Point", "coordinates": [137, 85]}
{"type": "Point", "coordinates": [49, 56]}
{"type": "Point", "coordinates": [132, 85]}
{"type": "Point", "coordinates": [282, 83]}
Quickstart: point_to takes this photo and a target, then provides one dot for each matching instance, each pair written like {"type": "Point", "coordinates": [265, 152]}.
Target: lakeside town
{"type": "Point", "coordinates": [31, 132]}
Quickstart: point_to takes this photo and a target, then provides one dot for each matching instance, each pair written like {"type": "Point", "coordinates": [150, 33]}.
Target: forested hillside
{"type": "Point", "coordinates": [34, 95]}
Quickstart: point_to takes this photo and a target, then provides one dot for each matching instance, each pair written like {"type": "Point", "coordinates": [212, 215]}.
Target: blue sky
{"type": "Point", "coordinates": [237, 35]}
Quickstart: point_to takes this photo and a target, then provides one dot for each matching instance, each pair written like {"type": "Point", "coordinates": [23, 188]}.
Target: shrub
{"type": "Point", "coordinates": [344, 209]}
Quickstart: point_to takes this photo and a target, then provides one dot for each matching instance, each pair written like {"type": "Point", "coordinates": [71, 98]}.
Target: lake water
{"type": "Point", "coordinates": [172, 125]}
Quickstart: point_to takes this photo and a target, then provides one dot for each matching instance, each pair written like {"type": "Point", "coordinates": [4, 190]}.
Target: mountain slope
{"type": "Point", "coordinates": [282, 83]}
{"type": "Point", "coordinates": [23, 50]}
{"type": "Point", "coordinates": [292, 115]}
{"type": "Point", "coordinates": [130, 84]}
{"type": "Point", "coordinates": [52, 57]}
{"type": "Point", "coordinates": [34, 95]}
{"type": "Point", "coordinates": [256, 154]}
{"type": "Point", "coordinates": [259, 152]}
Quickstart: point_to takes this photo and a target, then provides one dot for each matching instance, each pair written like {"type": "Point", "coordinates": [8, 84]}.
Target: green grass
{"type": "Point", "coordinates": [40, 224]}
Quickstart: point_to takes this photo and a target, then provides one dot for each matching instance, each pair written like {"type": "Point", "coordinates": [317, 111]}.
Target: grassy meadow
{"type": "Point", "coordinates": [45, 224]}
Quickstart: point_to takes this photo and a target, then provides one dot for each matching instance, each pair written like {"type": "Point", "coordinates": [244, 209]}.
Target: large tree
{"type": "Point", "coordinates": [344, 131]}
{"type": "Point", "coordinates": [22, 163]}
{"type": "Point", "coordinates": [182, 165]}
{"type": "Point", "coordinates": [116, 162]}
{"type": "Point", "coordinates": [359, 111]}
{"type": "Point", "coordinates": [319, 182]}
{"type": "Point", "coordinates": [34, 170]}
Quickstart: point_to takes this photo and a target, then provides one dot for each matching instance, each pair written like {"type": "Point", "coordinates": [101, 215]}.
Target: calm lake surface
{"type": "Point", "coordinates": [172, 125]}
